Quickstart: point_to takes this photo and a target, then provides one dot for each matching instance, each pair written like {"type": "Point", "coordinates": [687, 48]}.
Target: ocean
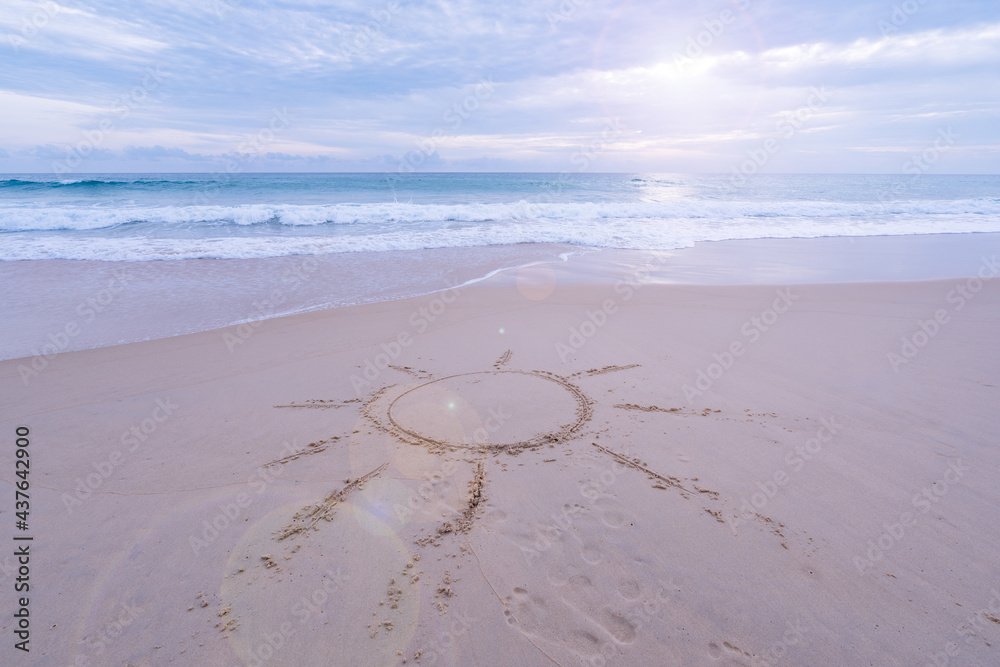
{"type": "Point", "coordinates": [139, 217]}
{"type": "Point", "coordinates": [119, 258]}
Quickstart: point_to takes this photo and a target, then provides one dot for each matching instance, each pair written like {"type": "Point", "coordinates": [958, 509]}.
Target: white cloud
{"type": "Point", "coordinates": [27, 118]}
{"type": "Point", "coordinates": [964, 46]}
{"type": "Point", "coordinates": [555, 86]}
{"type": "Point", "coordinates": [68, 31]}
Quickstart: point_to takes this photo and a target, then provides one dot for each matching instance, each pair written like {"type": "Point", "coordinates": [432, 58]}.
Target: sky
{"type": "Point", "coordinates": [520, 85]}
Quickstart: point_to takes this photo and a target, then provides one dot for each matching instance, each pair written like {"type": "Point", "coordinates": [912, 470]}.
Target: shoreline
{"type": "Point", "coordinates": [56, 306]}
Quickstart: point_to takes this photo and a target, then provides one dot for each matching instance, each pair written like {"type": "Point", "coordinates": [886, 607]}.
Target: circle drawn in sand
{"type": "Point", "coordinates": [490, 411]}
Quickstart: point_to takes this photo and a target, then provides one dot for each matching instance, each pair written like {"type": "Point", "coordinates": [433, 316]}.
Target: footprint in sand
{"type": "Point", "coordinates": [541, 617]}
{"type": "Point", "coordinates": [613, 518]}
{"type": "Point", "coordinates": [629, 590]}
{"type": "Point", "coordinates": [729, 654]}
{"type": "Point", "coordinates": [580, 577]}
{"type": "Point", "coordinates": [612, 513]}
{"type": "Point", "coordinates": [590, 553]}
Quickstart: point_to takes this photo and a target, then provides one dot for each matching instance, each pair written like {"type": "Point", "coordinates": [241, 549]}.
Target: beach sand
{"type": "Point", "coordinates": [539, 468]}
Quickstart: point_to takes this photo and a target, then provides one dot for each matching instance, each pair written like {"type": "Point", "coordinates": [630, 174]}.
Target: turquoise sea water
{"type": "Point", "coordinates": [137, 217]}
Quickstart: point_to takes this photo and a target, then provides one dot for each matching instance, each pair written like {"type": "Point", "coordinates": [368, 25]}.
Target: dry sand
{"type": "Point", "coordinates": [534, 470]}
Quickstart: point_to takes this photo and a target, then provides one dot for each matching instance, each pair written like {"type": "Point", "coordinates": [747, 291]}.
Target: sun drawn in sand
{"type": "Point", "coordinates": [464, 425]}
{"type": "Point", "coordinates": [479, 413]}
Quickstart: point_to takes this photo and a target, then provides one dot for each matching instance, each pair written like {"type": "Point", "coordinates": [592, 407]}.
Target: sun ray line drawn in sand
{"type": "Point", "coordinates": [320, 404]}
{"type": "Point", "coordinates": [669, 481]}
{"type": "Point", "coordinates": [413, 372]}
{"type": "Point", "coordinates": [311, 515]}
{"type": "Point", "coordinates": [644, 408]}
{"type": "Point", "coordinates": [607, 369]}
{"type": "Point", "coordinates": [467, 516]}
{"type": "Point", "coordinates": [636, 465]}
{"type": "Point", "coordinates": [312, 448]}
{"type": "Point", "coordinates": [503, 360]}
{"type": "Point", "coordinates": [655, 408]}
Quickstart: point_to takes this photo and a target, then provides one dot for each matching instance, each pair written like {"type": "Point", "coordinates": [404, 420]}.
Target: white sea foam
{"type": "Point", "coordinates": [560, 225]}
{"type": "Point", "coordinates": [48, 218]}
